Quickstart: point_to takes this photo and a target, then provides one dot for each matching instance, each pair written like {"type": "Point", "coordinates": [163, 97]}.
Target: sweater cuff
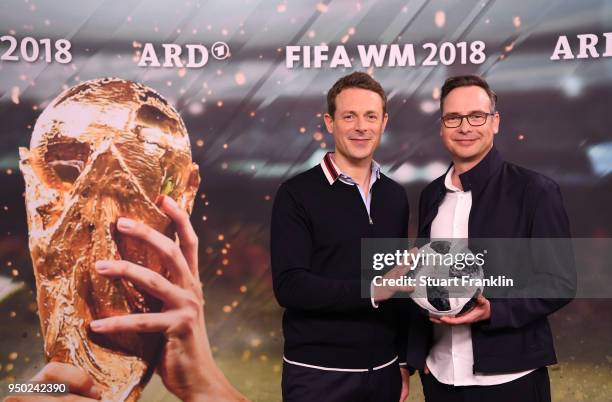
{"type": "Point", "coordinates": [411, 371]}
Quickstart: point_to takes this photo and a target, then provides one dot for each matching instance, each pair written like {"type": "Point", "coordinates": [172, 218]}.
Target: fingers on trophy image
{"type": "Point", "coordinates": [101, 150]}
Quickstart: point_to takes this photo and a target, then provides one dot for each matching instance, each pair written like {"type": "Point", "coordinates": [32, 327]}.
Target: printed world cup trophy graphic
{"type": "Point", "coordinates": [101, 150]}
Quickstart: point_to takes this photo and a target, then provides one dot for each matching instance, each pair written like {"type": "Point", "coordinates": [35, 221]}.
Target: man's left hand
{"type": "Point", "coordinates": [480, 312]}
{"type": "Point", "coordinates": [405, 384]}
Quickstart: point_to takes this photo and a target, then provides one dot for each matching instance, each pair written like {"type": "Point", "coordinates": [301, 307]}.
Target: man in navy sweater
{"type": "Point", "coordinates": [339, 346]}
{"type": "Point", "coordinates": [499, 350]}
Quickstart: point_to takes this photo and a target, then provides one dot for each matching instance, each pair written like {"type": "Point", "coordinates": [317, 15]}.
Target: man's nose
{"type": "Point", "coordinates": [465, 126]}
{"type": "Point", "coordinates": [360, 124]}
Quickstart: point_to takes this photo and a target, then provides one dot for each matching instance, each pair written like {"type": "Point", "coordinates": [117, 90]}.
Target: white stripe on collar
{"type": "Point", "coordinates": [333, 173]}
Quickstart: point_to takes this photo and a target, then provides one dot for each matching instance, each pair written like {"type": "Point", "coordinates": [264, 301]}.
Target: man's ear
{"type": "Point", "coordinates": [496, 120]}
{"type": "Point", "coordinates": [329, 122]}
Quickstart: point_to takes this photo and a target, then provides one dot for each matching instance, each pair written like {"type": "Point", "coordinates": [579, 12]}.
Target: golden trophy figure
{"type": "Point", "coordinates": [101, 150]}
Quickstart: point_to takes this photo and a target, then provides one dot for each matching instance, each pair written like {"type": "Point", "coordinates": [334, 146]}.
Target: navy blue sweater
{"type": "Point", "coordinates": [316, 234]}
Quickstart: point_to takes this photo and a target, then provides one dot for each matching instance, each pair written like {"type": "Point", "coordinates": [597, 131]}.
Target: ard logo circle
{"type": "Point", "coordinates": [220, 50]}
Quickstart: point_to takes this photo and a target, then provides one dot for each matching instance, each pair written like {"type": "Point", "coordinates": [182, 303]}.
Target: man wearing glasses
{"type": "Point", "coordinates": [499, 350]}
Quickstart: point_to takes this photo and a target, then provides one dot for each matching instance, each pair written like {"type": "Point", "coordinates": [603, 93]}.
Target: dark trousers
{"type": "Point", "coordinates": [304, 384]}
{"type": "Point", "coordinates": [533, 387]}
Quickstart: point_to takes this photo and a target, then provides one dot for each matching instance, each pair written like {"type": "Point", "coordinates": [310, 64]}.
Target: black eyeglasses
{"type": "Point", "coordinates": [474, 119]}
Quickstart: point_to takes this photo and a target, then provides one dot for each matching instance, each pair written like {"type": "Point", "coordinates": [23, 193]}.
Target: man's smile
{"type": "Point", "coordinates": [360, 140]}
{"type": "Point", "coordinates": [465, 141]}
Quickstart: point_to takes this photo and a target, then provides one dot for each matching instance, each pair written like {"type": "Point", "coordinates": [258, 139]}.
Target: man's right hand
{"type": "Point", "coordinates": [385, 292]}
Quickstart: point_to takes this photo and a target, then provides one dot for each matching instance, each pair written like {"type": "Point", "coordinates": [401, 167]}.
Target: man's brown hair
{"type": "Point", "coordinates": [354, 80]}
{"type": "Point", "coordinates": [466, 81]}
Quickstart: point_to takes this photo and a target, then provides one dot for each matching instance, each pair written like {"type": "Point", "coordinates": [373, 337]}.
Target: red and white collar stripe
{"type": "Point", "coordinates": [333, 173]}
{"type": "Point", "coordinates": [329, 168]}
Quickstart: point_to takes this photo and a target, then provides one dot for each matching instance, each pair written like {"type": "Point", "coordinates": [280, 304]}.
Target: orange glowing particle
{"type": "Point", "coordinates": [322, 8]}
{"type": "Point", "coordinates": [240, 78]}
